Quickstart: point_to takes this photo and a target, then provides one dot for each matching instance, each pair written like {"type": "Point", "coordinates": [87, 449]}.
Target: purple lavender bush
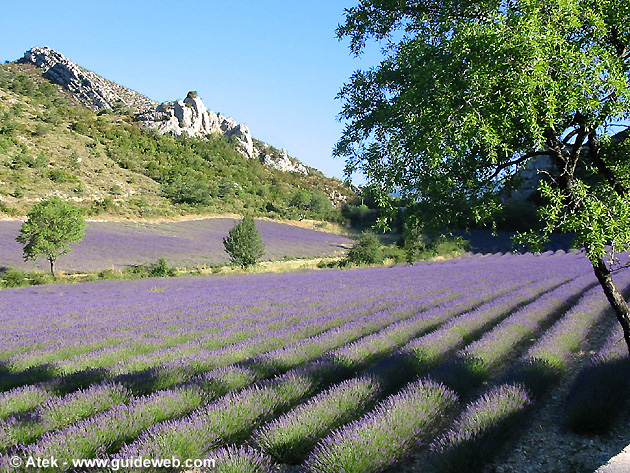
{"type": "Point", "coordinates": [385, 436]}
{"type": "Point", "coordinates": [292, 436]}
{"type": "Point", "coordinates": [243, 459]}
{"type": "Point", "coordinates": [599, 396]}
{"type": "Point", "coordinates": [551, 356]}
{"type": "Point", "coordinates": [202, 360]}
{"type": "Point", "coordinates": [107, 432]}
{"type": "Point", "coordinates": [475, 363]}
{"type": "Point", "coordinates": [480, 430]}
{"type": "Point", "coordinates": [60, 412]}
{"type": "Point", "coordinates": [22, 400]}
{"type": "Point", "coordinates": [230, 419]}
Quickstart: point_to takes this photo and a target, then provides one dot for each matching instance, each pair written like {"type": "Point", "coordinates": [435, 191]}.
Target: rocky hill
{"type": "Point", "coordinates": [189, 116]}
{"type": "Point", "coordinates": [90, 89]}
{"type": "Point", "coordinates": [67, 131]}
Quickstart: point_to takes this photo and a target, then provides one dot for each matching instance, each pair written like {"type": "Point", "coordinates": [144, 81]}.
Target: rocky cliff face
{"type": "Point", "coordinates": [189, 116]}
{"type": "Point", "coordinates": [280, 161]}
{"type": "Point", "coordinates": [90, 89]}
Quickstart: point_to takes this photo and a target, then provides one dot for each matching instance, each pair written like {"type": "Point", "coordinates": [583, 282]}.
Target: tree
{"type": "Point", "coordinates": [367, 250]}
{"type": "Point", "coordinates": [50, 227]}
{"type": "Point", "coordinates": [243, 243]}
{"type": "Point", "coordinates": [470, 92]}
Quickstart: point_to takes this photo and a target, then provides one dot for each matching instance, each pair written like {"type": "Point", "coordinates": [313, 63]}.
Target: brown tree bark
{"type": "Point", "coordinates": [602, 272]}
{"type": "Point", "coordinates": [614, 296]}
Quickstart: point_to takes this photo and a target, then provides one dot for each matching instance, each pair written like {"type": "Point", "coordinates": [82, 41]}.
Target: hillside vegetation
{"type": "Point", "coordinates": [51, 145]}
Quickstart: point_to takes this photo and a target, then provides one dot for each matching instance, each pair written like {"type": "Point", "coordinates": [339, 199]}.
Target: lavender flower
{"type": "Point", "coordinates": [292, 436]}
{"type": "Point", "coordinates": [383, 437]}
{"type": "Point", "coordinates": [234, 459]}
{"type": "Point", "coordinates": [480, 430]}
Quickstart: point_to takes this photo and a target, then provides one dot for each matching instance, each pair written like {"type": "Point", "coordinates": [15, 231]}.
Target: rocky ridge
{"type": "Point", "coordinates": [179, 117]}
{"type": "Point", "coordinates": [92, 90]}
{"type": "Point", "coordinates": [191, 117]}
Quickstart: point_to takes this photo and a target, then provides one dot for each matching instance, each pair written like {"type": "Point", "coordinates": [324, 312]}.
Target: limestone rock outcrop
{"type": "Point", "coordinates": [281, 161]}
{"type": "Point", "coordinates": [191, 117]}
{"type": "Point", "coordinates": [90, 89]}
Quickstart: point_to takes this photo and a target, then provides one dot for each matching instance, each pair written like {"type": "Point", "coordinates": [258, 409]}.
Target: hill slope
{"type": "Point", "coordinates": [52, 142]}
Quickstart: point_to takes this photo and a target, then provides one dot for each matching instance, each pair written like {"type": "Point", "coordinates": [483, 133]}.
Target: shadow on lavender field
{"type": "Point", "coordinates": [342, 361]}
{"type": "Point", "coordinates": [600, 395]}
{"type": "Point", "coordinates": [483, 241]}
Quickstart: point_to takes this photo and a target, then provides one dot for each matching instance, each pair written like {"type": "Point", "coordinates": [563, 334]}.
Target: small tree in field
{"type": "Point", "coordinates": [244, 244]}
{"type": "Point", "coordinates": [50, 227]}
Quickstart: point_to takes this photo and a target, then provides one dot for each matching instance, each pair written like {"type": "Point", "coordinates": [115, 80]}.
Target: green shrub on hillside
{"type": "Point", "coordinates": [14, 278]}
{"type": "Point", "coordinates": [161, 269]}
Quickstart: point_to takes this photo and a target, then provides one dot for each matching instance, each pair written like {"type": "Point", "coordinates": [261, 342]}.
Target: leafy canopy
{"type": "Point", "coordinates": [243, 243]}
{"type": "Point", "coordinates": [468, 92]}
{"type": "Point", "coordinates": [50, 227]}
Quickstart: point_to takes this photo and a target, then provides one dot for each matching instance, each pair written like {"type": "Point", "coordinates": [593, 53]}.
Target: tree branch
{"type": "Point", "coordinates": [519, 160]}
{"type": "Point", "coordinates": [604, 170]}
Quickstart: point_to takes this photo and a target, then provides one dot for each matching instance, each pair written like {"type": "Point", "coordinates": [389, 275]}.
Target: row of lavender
{"type": "Point", "coordinates": [341, 335]}
{"type": "Point", "coordinates": [18, 397]}
{"type": "Point", "coordinates": [188, 243]}
{"type": "Point", "coordinates": [409, 418]}
{"type": "Point", "coordinates": [356, 454]}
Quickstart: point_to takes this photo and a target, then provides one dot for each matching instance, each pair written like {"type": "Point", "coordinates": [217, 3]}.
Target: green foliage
{"type": "Point", "coordinates": [59, 175]}
{"type": "Point", "coordinates": [244, 244]}
{"type": "Point", "coordinates": [49, 229]}
{"type": "Point", "coordinates": [467, 94]}
{"type": "Point", "coordinates": [360, 216]}
{"type": "Point", "coordinates": [189, 191]}
{"type": "Point", "coordinates": [9, 128]}
{"type": "Point", "coordinates": [99, 206]}
{"type": "Point", "coordinates": [443, 246]}
{"type": "Point", "coordinates": [367, 250]}
{"type": "Point", "coordinates": [394, 253]}
{"type": "Point", "coordinates": [14, 278]}
{"type": "Point", "coordinates": [310, 204]}
{"type": "Point", "coordinates": [161, 269]}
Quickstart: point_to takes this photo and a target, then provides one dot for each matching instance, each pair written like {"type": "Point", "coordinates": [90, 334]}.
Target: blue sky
{"type": "Point", "coordinates": [274, 65]}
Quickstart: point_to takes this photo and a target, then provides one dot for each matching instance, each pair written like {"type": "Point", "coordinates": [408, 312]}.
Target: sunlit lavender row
{"type": "Point", "coordinates": [351, 370]}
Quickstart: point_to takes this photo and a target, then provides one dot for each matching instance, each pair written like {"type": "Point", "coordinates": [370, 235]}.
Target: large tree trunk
{"type": "Point", "coordinates": [617, 301]}
{"type": "Point", "coordinates": [52, 267]}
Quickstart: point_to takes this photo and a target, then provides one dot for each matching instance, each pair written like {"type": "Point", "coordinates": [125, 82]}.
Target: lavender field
{"type": "Point", "coordinates": [355, 371]}
{"type": "Point", "coordinates": [184, 244]}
